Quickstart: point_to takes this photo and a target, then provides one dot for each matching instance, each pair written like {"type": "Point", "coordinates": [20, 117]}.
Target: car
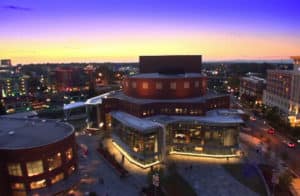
{"type": "Point", "coordinates": [291, 145]}
{"type": "Point", "coordinates": [271, 131]}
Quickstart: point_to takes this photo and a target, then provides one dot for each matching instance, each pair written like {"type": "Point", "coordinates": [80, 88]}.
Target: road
{"type": "Point", "coordinates": [275, 142]}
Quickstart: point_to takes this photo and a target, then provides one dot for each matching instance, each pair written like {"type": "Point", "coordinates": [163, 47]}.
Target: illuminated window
{"type": "Point", "coordinates": [35, 168]}
{"type": "Point", "coordinates": [133, 84]}
{"type": "Point", "coordinates": [158, 85]}
{"type": "Point", "coordinates": [197, 84]}
{"type": "Point", "coordinates": [173, 85]}
{"type": "Point", "coordinates": [71, 170]}
{"type": "Point", "coordinates": [38, 184]}
{"type": "Point", "coordinates": [145, 85]}
{"type": "Point", "coordinates": [17, 186]}
{"type": "Point", "coordinates": [57, 178]}
{"type": "Point", "coordinates": [186, 85]}
{"type": "Point", "coordinates": [54, 162]}
{"type": "Point", "coordinates": [14, 169]}
{"type": "Point", "coordinates": [69, 154]}
{"type": "Point", "coordinates": [19, 193]}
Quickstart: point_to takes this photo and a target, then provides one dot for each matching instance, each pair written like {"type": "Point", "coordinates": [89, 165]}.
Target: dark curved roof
{"type": "Point", "coordinates": [21, 133]}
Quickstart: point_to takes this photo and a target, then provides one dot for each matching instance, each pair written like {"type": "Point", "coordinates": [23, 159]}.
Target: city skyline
{"type": "Point", "coordinates": [102, 31]}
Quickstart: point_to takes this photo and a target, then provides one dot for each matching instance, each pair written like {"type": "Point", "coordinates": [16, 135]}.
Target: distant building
{"type": "Point", "coordinates": [283, 91]}
{"type": "Point", "coordinates": [5, 62]}
{"type": "Point", "coordinates": [251, 89]}
{"type": "Point", "coordinates": [69, 79]}
{"type": "Point", "coordinates": [166, 110]}
{"type": "Point", "coordinates": [38, 157]}
{"type": "Point", "coordinates": [13, 85]}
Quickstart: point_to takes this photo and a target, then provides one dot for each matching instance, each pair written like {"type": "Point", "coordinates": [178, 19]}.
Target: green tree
{"type": "Point", "coordinates": [284, 156]}
{"type": "Point", "coordinates": [2, 109]}
{"type": "Point", "coordinates": [285, 180]}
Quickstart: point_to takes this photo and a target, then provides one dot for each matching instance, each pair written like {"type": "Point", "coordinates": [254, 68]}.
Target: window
{"type": "Point", "coordinates": [173, 85]}
{"type": "Point", "coordinates": [145, 85]}
{"type": "Point", "coordinates": [197, 84]}
{"type": "Point", "coordinates": [35, 168]}
{"type": "Point", "coordinates": [57, 178]}
{"type": "Point", "coordinates": [71, 170]}
{"type": "Point", "coordinates": [54, 161]}
{"type": "Point", "coordinates": [14, 169]}
{"type": "Point", "coordinates": [38, 184]}
{"type": "Point", "coordinates": [158, 85]}
{"type": "Point", "coordinates": [19, 193]}
{"type": "Point", "coordinates": [186, 85]}
{"type": "Point", "coordinates": [17, 186]}
{"type": "Point", "coordinates": [133, 84]}
{"type": "Point", "coordinates": [69, 154]}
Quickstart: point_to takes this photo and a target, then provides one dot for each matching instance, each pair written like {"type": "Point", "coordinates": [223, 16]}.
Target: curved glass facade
{"type": "Point", "coordinates": [197, 137]}
{"type": "Point", "coordinates": [142, 146]}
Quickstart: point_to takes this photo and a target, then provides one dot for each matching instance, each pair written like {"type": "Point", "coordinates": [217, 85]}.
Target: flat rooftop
{"type": "Point", "coordinates": [17, 133]}
{"type": "Point", "coordinates": [213, 117]}
{"type": "Point", "coordinates": [140, 124]}
{"type": "Point", "coordinates": [146, 125]}
{"type": "Point", "coordinates": [254, 79]}
{"type": "Point", "coordinates": [166, 76]}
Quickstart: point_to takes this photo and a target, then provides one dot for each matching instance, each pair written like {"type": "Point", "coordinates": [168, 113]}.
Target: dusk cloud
{"type": "Point", "coordinates": [17, 8]}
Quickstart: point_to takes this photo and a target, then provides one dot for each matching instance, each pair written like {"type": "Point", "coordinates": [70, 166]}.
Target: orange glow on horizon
{"type": "Point", "coordinates": [128, 48]}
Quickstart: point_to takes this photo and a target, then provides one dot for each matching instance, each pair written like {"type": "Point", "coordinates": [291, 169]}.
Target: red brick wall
{"type": "Point", "coordinates": [166, 92]}
{"type": "Point", "coordinates": [23, 156]}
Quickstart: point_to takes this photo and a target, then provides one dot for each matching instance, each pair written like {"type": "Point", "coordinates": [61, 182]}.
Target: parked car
{"type": "Point", "coordinates": [291, 144]}
{"type": "Point", "coordinates": [271, 131]}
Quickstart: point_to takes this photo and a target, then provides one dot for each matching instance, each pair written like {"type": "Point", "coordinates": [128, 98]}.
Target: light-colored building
{"type": "Point", "coordinates": [283, 91]}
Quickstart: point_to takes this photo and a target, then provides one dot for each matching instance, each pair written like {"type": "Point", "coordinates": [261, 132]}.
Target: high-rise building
{"type": "Point", "coordinates": [283, 91]}
{"type": "Point", "coordinates": [166, 109]}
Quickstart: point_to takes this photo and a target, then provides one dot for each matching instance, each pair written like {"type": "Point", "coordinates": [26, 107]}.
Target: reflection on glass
{"type": "Point", "coordinates": [14, 169]}
{"type": "Point", "coordinates": [38, 184]}
{"type": "Point", "coordinates": [34, 168]}
{"type": "Point", "coordinates": [57, 178]}
{"type": "Point", "coordinates": [54, 161]}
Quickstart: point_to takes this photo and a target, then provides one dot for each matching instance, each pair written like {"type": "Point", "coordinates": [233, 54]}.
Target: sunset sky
{"type": "Point", "coordinates": [34, 31]}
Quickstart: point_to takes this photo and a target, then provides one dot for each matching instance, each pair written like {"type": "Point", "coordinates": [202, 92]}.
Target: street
{"type": "Point", "coordinates": [275, 142]}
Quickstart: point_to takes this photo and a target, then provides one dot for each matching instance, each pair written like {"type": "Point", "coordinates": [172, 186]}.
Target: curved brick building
{"type": "Point", "coordinates": [166, 109]}
{"type": "Point", "coordinates": [37, 157]}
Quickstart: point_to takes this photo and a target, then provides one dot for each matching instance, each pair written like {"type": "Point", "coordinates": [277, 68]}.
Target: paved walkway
{"type": "Point", "coordinates": [93, 167]}
{"type": "Point", "coordinates": [206, 176]}
{"type": "Point", "coordinates": [210, 178]}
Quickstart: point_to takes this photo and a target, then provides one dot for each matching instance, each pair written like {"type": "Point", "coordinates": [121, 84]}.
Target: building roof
{"type": "Point", "coordinates": [164, 76]}
{"type": "Point", "coordinates": [74, 105]}
{"type": "Point", "coordinates": [29, 114]}
{"type": "Point", "coordinates": [17, 133]}
{"type": "Point", "coordinates": [213, 117]}
{"type": "Point", "coordinates": [140, 124]}
{"type": "Point", "coordinates": [200, 99]}
{"type": "Point", "coordinates": [98, 99]}
{"type": "Point", "coordinates": [254, 79]}
{"type": "Point", "coordinates": [295, 57]}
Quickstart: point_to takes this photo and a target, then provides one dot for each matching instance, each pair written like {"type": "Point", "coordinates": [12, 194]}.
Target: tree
{"type": "Point", "coordinates": [2, 109]}
{"type": "Point", "coordinates": [284, 156]}
{"type": "Point", "coordinates": [285, 180]}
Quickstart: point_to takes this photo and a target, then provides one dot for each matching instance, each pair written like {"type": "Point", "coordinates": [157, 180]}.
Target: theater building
{"type": "Point", "coordinates": [38, 157]}
{"type": "Point", "coordinates": [166, 109]}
